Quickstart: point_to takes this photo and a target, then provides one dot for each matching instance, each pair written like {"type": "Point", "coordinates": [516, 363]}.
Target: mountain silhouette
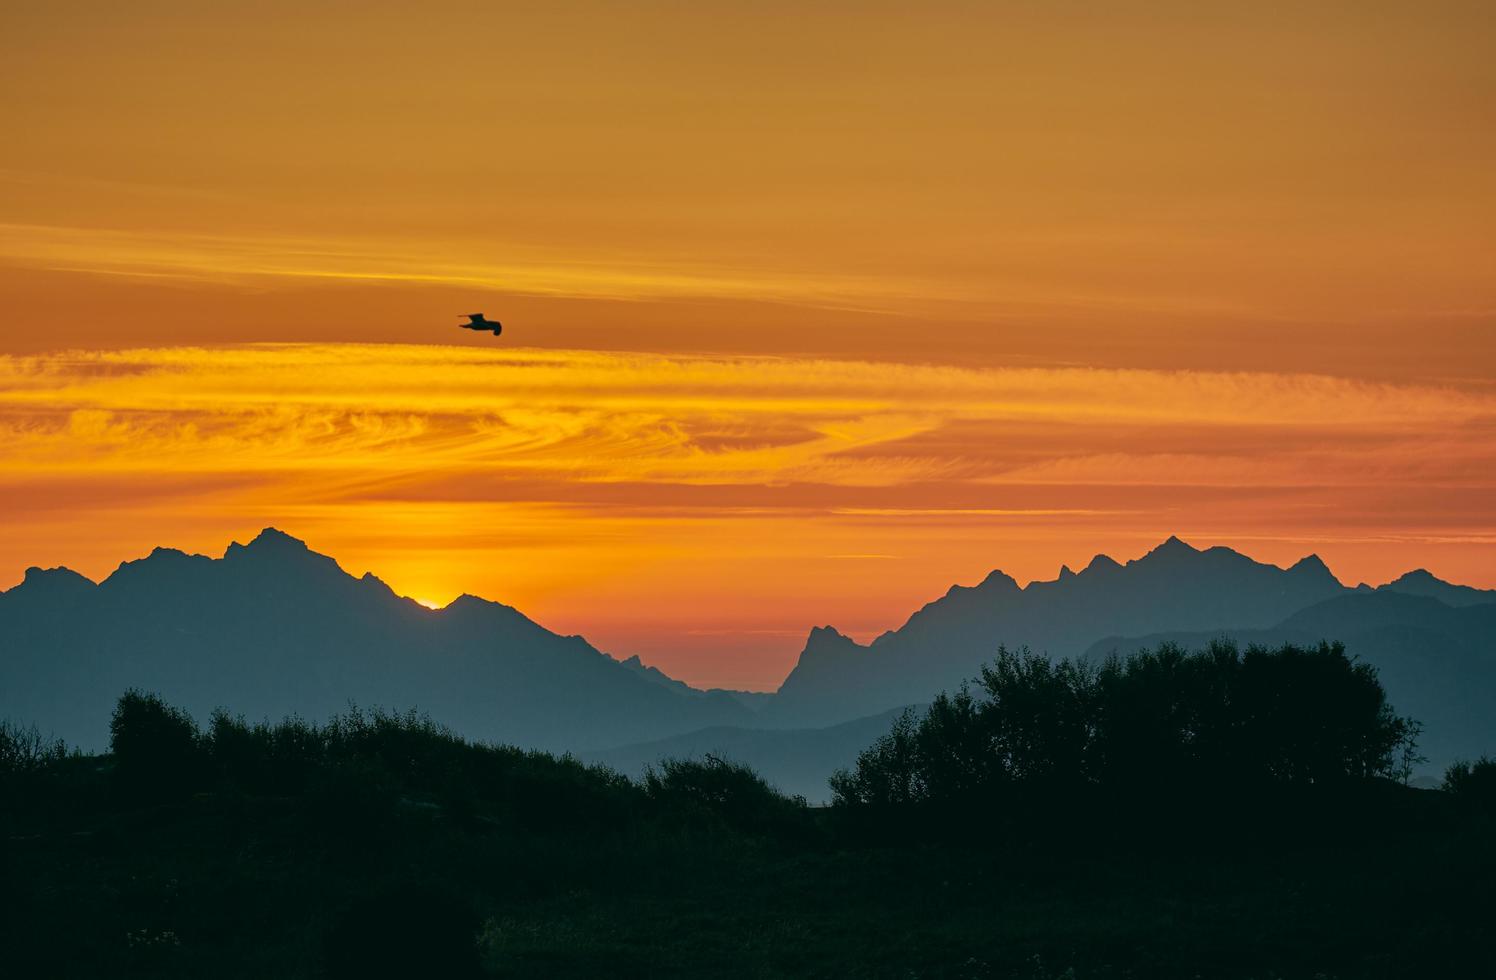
{"type": "Point", "coordinates": [274, 628]}
{"type": "Point", "coordinates": [1172, 587]}
{"type": "Point", "coordinates": [1421, 582]}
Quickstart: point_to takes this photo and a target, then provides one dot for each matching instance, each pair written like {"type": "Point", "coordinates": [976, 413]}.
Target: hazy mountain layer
{"type": "Point", "coordinates": [273, 628]}
{"type": "Point", "coordinates": [1173, 587]}
{"type": "Point", "coordinates": [798, 761]}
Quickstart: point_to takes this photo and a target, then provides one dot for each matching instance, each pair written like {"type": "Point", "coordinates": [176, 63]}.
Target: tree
{"type": "Point", "coordinates": [1473, 783]}
{"type": "Point", "coordinates": [1039, 729]}
{"type": "Point", "coordinates": [155, 745]}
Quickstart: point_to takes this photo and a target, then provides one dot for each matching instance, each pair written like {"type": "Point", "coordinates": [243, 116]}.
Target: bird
{"type": "Point", "coordinates": [477, 321]}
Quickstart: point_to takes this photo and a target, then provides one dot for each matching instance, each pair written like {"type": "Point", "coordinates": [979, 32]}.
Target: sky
{"type": "Point", "coordinates": [811, 310]}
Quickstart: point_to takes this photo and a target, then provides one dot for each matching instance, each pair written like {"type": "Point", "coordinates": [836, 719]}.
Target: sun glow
{"type": "Point", "coordinates": [810, 309]}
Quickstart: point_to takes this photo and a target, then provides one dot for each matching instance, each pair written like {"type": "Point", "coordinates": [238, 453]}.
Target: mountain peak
{"type": "Point", "coordinates": [272, 538]}
{"type": "Point", "coordinates": [276, 554]}
{"type": "Point", "coordinates": [1101, 563]}
{"type": "Point", "coordinates": [55, 581]}
{"type": "Point", "coordinates": [1171, 547]}
{"type": "Point", "coordinates": [1311, 564]}
{"type": "Point", "coordinates": [162, 568]}
{"type": "Point", "coordinates": [271, 543]}
{"type": "Point", "coordinates": [1420, 581]}
{"type": "Point", "coordinates": [999, 579]}
{"type": "Point", "coordinates": [828, 640]}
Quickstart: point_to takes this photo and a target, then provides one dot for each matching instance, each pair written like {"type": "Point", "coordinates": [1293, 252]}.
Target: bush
{"type": "Point", "coordinates": [24, 750]}
{"type": "Point", "coordinates": [1212, 719]}
{"type": "Point", "coordinates": [156, 747]}
{"type": "Point", "coordinates": [367, 761]}
{"type": "Point", "coordinates": [727, 790]}
{"type": "Point", "coordinates": [1473, 783]}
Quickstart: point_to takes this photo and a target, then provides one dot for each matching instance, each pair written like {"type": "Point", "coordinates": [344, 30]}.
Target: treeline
{"type": "Point", "coordinates": [377, 844]}
{"type": "Point", "coordinates": [373, 760]}
{"type": "Point", "coordinates": [1214, 719]}
{"type": "Point", "coordinates": [1028, 729]}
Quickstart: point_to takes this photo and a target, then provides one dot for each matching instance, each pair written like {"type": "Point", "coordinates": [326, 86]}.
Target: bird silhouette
{"type": "Point", "coordinates": [477, 321]}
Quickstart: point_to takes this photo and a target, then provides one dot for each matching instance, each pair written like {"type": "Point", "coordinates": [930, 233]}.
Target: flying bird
{"type": "Point", "coordinates": [477, 321]}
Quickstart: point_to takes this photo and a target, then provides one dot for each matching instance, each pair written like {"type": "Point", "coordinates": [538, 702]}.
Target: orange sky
{"type": "Point", "coordinates": [812, 309]}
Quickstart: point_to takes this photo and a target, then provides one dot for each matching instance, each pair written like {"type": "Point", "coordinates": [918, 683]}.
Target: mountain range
{"type": "Point", "coordinates": [1213, 591]}
{"type": "Point", "coordinates": [273, 628]}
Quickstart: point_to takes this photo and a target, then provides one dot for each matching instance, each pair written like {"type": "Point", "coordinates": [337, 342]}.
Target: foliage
{"type": "Point", "coordinates": [728, 791]}
{"type": "Point", "coordinates": [155, 745]}
{"type": "Point", "coordinates": [1473, 783]}
{"type": "Point", "coordinates": [1213, 719]}
{"type": "Point", "coordinates": [26, 751]}
{"type": "Point", "coordinates": [377, 844]}
{"type": "Point", "coordinates": [374, 758]}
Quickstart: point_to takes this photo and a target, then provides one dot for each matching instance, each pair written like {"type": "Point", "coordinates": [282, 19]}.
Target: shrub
{"type": "Point", "coordinates": [1216, 718]}
{"type": "Point", "coordinates": [1473, 783]}
{"type": "Point", "coordinates": [24, 750]}
{"type": "Point", "coordinates": [728, 790]}
{"type": "Point", "coordinates": [155, 746]}
{"type": "Point", "coordinates": [367, 761]}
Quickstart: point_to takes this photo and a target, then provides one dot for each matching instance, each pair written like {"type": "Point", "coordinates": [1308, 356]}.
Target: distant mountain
{"type": "Point", "coordinates": [1421, 582]}
{"type": "Point", "coordinates": [1437, 661]}
{"type": "Point", "coordinates": [797, 761]}
{"type": "Point", "coordinates": [1173, 587]}
{"type": "Point", "coordinates": [273, 628]}
{"type": "Point", "coordinates": [749, 699]}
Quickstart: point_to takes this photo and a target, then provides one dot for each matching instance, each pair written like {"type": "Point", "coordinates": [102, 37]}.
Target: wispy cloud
{"type": "Point", "coordinates": [348, 414]}
{"type": "Point", "coordinates": [679, 493]}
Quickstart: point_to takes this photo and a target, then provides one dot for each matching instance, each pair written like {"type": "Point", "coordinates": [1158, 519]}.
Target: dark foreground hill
{"type": "Point", "coordinates": [273, 628]}
{"type": "Point", "coordinates": [380, 846]}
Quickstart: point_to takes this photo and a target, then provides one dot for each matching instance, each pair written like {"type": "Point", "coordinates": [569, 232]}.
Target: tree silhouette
{"type": "Point", "coordinates": [1212, 719]}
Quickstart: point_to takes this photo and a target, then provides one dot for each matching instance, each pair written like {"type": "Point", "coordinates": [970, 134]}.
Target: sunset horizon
{"type": "Point", "coordinates": [970, 490]}
{"type": "Point", "coordinates": [705, 511]}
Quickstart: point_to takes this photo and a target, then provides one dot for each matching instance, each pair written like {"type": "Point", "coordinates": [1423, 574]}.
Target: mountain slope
{"type": "Point", "coordinates": [1174, 586]}
{"type": "Point", "coordinates": [273, 628]}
